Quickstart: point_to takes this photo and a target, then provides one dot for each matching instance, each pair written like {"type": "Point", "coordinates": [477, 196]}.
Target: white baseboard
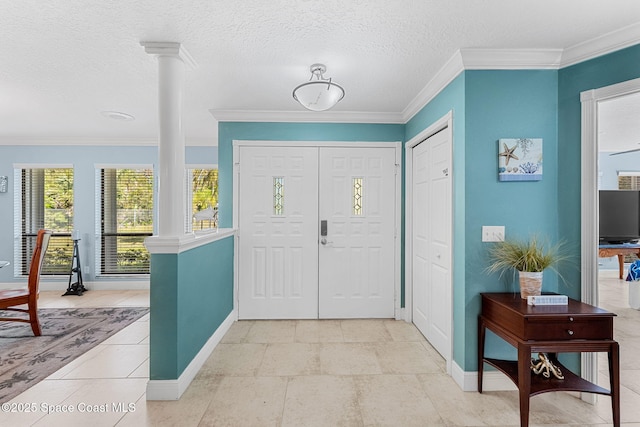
{"type": "Point", "coordinates": [492, 380]}
{"type": "Point", "coordinates": [173, 389]}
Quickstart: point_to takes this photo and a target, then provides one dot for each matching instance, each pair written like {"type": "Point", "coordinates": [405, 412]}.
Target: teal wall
{"type": "Point", "coordinates": [487, 106]}
{"type": "Point", "coordinates": [603, 71]}
{"type": "Point", "coordinates": [191, 295]}
{"type": "Point", "coordinates": [505, 104]}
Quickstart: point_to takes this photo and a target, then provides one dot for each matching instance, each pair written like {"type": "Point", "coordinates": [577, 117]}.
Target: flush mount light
{"type": "Point", "coordinates": [117, 115]}
{"type": "Point", "coordinates": [320, 94]}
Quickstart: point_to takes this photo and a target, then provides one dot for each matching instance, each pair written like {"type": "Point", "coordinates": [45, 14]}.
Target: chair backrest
{"type": "Point", "coordinates": [42, 242]}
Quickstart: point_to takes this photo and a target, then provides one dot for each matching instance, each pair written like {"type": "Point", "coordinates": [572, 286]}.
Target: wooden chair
{"type": "Point", "coordinates": [10, 298]}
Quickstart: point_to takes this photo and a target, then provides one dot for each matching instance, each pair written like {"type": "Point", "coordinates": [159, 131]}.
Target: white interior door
{"type": "Point", "coordinates": [278, 220]}
{"type": "Point", "coordinates": [420, 237]}
{"type": "Point", "coordinates": [357, 201]}
{"type": "Point", "coordinates": [431, 240]}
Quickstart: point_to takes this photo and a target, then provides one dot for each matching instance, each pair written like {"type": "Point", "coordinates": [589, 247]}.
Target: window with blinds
{"type": "Point", "coordinates": [125, 220]}
{"type": "Point", "coordinates": [202, 199]}
{"type": "Point", "coordinates": [628, 180]}
{"type": "Point", "coordinates": [44, 200]}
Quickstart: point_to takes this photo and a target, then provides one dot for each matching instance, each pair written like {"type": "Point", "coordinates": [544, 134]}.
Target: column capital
{"type": "Point", "coordinates": [170, 49]}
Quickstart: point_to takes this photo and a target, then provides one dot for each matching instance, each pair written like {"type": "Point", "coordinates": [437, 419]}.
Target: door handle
{"type": "Point", "coordinates": [324, 241]}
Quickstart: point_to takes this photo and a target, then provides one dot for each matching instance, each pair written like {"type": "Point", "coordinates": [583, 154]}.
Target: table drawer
{"type": "Point", "coordinates": [569, 328]}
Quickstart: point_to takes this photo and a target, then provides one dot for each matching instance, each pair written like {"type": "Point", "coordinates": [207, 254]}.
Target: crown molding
{"type": "Point", "coordinates": [97, 142]}
{"type": "Point", "coordinates": [510, 59]}
{"type": "Point", "coordinates": [306, 116]}
{"type": "Point", "coordinates": [443, 77]}
{"type": "Point", "coordinates": [602, 45]}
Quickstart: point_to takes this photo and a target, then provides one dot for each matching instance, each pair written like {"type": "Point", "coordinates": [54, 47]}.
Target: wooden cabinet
{"type": "Point", "coordinates": [576, 327]}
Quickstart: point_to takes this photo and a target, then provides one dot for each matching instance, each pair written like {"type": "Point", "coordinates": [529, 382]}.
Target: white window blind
{"type": "Point", "coordinates": [125, 213]}
{"type": "Point", "coordinates": [44, 199]}
{"type": "Point", "coordinates": [628, 180]}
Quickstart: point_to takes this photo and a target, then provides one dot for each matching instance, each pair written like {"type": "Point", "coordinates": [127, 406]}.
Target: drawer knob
{"type": "Point", "coordinates": [570, 332]}
{"type": "Point", "coordinates": [570, 319]}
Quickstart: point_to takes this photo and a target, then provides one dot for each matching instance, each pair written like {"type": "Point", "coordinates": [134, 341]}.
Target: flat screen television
{"type": "Point", "coordinates": [619, 213]}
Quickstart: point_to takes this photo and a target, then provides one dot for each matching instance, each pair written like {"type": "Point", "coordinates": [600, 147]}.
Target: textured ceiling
{"type": "Point", "coordinates": [65, 61]}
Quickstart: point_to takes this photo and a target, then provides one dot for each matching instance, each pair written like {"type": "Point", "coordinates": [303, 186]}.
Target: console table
{"type": "Point", "coordinates": [576, 327]}
{"type": "Point", "coordinates": [606, 251]}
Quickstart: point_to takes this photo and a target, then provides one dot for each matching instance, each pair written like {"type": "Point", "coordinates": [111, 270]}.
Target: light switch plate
{"type": "Point", "coordinates": [493, 233]}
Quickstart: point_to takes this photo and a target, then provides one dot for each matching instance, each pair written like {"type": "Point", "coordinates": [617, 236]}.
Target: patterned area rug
{"type": "Point", "coordinates": [26, 360]}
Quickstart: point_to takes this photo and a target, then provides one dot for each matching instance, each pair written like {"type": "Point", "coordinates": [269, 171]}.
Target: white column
{"type": "Point", "coordinates": [171, 186]}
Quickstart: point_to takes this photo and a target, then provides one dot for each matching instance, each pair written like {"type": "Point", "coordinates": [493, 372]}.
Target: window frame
{"type": "Point", "coordinates": [24, 240]}
{"type": "Point", "coordinates": [99, 168]}
{"type": "Point", "coordinates": [189, 195]}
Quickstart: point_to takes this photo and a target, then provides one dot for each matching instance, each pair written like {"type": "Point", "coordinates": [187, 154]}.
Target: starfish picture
{"type": "Point", "coordinates": [508, 152]}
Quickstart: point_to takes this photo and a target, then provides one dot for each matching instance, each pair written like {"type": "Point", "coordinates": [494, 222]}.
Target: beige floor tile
{"type": "Point", "coordinates": [92, 298]}
{"type": "Point", "coordinates": [234, 359]}
{"type": "Point", "coordinates": [98, 403]}
{"type": "Point", "coordinates": [288, 359]}
{"type": "Point", "coordinates": [631, 379]}
{"type": "Point", "coordinates": [247, 401]}
{"type": "Point", "coordinates": [272, 331]}
{"type": "Point", "coordinates": [114, 361]}
{"type": "Point", "coordinates": [395, 400]}
{"type": "Point", "coordinates": [186, 412]}
{"type": "Point", "coordinates": [237, 332]}
{"type": "Point", "coordinates": [348, 359]}
{"type": "Point", "coordinates": [358, 330]}
{"type": "Point", "coordinates": [403, 331]}
{"type": "Point", "coordinates": [94, 352]}
{"type": "Point", "coordinates": [629, 406]}
{"type": "Point", "coordinates": [141, 371]}
{"type": "Point", "coordinates": [316, 331]}
{"type": "Point", "coordinates": [405, 358]}
{"type": "Point", "coordinates": [561, 408]}
{"type": "Point", "coordinates": [456, 407]}
{"type": "Point", "coordinates": [45, 392]}
{"type": "Point", "coordinates": [135, 333]}
{"type": "Point", "coordinates": [367, 375]}
{"type": "Point", "coordinates": [498, 408]}
{"type": "Point", "coordinates": [321, 401]}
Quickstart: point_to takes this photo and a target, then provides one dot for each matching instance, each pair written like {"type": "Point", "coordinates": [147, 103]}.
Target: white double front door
{"type": "Point", "coordinates": [316, 230]}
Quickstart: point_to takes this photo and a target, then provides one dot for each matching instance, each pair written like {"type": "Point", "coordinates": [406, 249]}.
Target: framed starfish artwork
{"type": "Point", "coordinates": [520, 159]}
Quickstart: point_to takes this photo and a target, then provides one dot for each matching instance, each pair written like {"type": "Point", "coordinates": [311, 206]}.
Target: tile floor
{"type": "Point", "coordinates": [309, 373]}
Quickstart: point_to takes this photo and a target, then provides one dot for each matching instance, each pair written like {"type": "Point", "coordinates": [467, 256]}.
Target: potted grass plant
{"type": "Point", "coordinates": [530, 258]}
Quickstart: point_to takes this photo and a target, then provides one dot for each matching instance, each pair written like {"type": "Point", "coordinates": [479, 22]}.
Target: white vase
{"type": "Point", "coordinates": [530, 283]}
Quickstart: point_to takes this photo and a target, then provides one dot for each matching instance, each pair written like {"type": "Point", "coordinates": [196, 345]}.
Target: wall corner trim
{"type": "Point", "coordinates": [178, 244]}
{"type": "Point", "coordinates": [173, 389]}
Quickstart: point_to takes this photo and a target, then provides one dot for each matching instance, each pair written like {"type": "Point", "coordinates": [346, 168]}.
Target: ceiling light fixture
{"type": "Point", "coordinates": [320, 94]}
{"type": "Point", "coordinates": [117, 115]}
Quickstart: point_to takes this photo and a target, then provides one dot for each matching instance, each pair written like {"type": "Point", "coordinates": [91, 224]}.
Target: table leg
{"type": "Point", "coordinates": [524, 382]}
{"type": "Point", "coordinates": [614, 378]}
{"type": "Point", "coordinates": [481, 334]}
{"type": "Point", "coordinates": [621, 264]}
